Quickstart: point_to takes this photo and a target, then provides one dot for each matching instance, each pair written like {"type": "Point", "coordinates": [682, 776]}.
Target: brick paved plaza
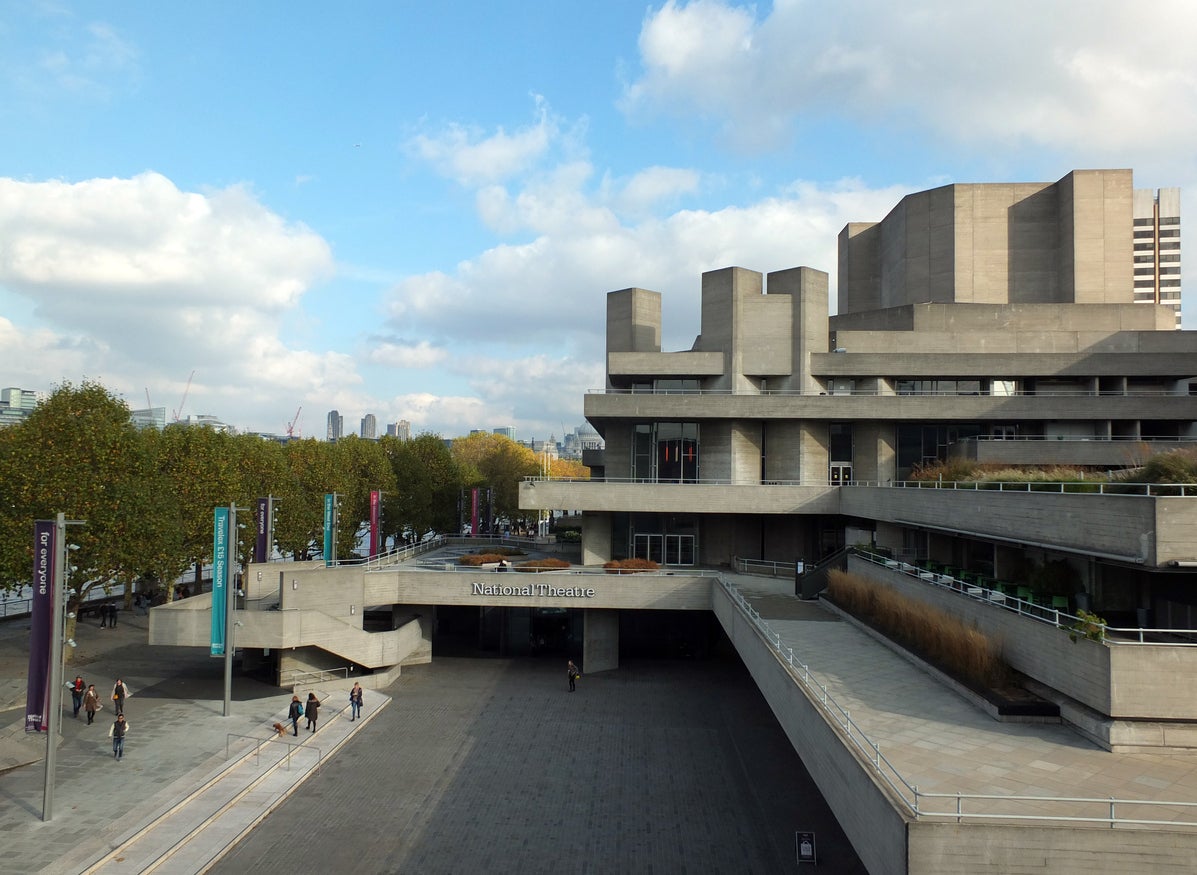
{"type": "Point", "coordinates": [490, 765]}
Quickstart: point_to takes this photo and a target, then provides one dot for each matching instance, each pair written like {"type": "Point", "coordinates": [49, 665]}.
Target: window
{"type": "Point", "coordinates": [665, 452]}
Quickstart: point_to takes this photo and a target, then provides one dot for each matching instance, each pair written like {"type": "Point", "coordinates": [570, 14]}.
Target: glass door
{"type": "Point", "coordinates": [649, 546]}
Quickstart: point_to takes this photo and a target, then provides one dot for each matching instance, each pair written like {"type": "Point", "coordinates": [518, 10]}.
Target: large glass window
{"type": "Point", "coordinates": [665, 452]}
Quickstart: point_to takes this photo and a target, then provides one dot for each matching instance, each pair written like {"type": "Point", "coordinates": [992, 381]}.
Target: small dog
{"type": "Point", "coordinates": [280, 729]}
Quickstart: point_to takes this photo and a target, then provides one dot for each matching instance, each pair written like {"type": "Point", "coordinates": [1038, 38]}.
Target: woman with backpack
{"type": "Point", "coordinates": [294, 713]}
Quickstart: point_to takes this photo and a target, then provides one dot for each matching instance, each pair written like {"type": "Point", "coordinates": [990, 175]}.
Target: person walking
{"type": "Point", "coordinates": [91, 703]}
{"type": "Point", "coordinates": [117, 734]}
{"type": "Point", "coordinates": [355, 702]}
{"type": "Point", "coordinates": [311, 709]}
{"type": "Point", "coordinates": [112, 615]}
{"type": "Point", "coordinates": [120, 692]}
{"type": "Point", "coordinates": [78, 689]}
{"type": "Point", "coordinates": [294, 712]}
{"type": "Point", "coordinates": [571, 672]}
{"type": "Point", "coordinates": [103, 615]}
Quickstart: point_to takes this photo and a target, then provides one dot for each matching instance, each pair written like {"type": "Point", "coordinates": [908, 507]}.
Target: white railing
{"type": "Point", "coordinates": [763, 567]}
{"type": "Point", "coordinates": [1122, 635]}
{"type": "Point", "coordinates": [845, 392]}
{"type": "Point", "coordinates": [1046, 487]}
{"type": "Point", "coordinates": [1012, 807]}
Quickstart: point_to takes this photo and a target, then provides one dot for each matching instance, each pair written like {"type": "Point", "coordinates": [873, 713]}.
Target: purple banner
{"type": "Point", "coordinates": [260, 546]}
{"type": "Point", "coordinates": [41, 629]}
{"type": "Point", "coordinates": [375, 521]}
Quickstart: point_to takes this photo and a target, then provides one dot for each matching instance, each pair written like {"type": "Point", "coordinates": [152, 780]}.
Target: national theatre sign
{"type": "Point", "coordinates": [534, 590]}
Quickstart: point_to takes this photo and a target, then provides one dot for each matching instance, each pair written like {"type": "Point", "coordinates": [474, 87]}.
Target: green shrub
{"type": "Point", "coordinates": [1177, 466]}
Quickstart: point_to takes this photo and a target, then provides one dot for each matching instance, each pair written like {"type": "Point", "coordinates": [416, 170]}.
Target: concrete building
{"type": "Point", "coordinates": [16, 404]}
{"type": "Point", "coordinates": [400, 429]}
{"type": "Point", "coordinates": [336, 425]}
{"type": "Point", "coordinates": [369, 427]}
{"type": "Point", "coordinates": [150, 417]}
{"type": "Point", "coordinates": [1157, 247]}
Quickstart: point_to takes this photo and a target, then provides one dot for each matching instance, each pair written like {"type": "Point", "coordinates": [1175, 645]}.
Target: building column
{"type": "Point", "coordinates": [596, 538]}
{"type": "Point", "coordinates": [600, 640]}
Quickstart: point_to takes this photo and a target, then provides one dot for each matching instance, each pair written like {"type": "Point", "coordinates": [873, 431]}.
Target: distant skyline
{"type": "Point", "coordinates": [416, 210]}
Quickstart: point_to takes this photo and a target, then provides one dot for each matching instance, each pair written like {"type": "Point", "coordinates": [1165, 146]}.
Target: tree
{"type": "Point", "coordinates": [77, 454]}
{"type": "Point", "coordinates": [426, 484]}
{"type": "Point", "coordinates": [496, 461]}
{"type": "Point", "coordinates": [202, 470]}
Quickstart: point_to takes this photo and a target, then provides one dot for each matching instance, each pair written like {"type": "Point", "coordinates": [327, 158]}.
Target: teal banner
{"type": "Point", "coordinates": [220, 579]}
{"type": "Point", "coordinates": [329, 499]}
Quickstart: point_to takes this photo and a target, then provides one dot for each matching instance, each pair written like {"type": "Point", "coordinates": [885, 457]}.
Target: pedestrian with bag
{"type": "Point", "coordinates": [120, 692]}
{"type": "Point", "coordinates": [572, 673]}
{"type": "Point", "coordinates": [294, 712]}
{"type": "Point", "coordinates": [117, 734]}
{"type": "Point", "coordinates": [91, 703]}
{"type": "Point", "coordinates": [355, 702]}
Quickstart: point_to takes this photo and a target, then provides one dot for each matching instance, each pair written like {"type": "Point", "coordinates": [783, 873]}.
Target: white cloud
{"type": "Point", "coordinates": [421, 355]}
{"type": "Point", "coordinates": [1067, 75]}
{"type": "Point", "coordinates": [465, 155]}
{"type": "Point", "coordinates": [137, 283]}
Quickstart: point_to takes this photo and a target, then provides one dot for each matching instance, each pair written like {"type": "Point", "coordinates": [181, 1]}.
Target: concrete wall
{"type": "Point", "coordinates": [678, 497]}
{"type": "Point", "coordinates": [596, 538]}
{"type": "Point", "coordinates": [1125, 682]}
{"type": "Point", "coordinates": [982, 849]}
{"type": "Point", "coordinates": [864, 809]}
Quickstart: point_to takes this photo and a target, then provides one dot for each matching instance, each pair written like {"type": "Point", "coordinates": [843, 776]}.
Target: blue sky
{"type": "Point", "coordinates": [415, 210]}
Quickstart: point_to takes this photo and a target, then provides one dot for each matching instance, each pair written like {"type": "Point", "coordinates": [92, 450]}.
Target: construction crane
{"type": "Point", "coordinates": [179, 413]}
{"type": "Point", "coordinates": [291, 424]}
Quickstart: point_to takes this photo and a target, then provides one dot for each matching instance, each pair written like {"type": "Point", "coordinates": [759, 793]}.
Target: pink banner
{"type": "Point", "coordinates": [375, 522]}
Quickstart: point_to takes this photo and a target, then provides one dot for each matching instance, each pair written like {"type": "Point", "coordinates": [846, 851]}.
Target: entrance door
{"type": "Point", "coordinates": [841, 473]}
{"type": "Point", "coordinates": [679, 549]}
{"type": "Point", "coordinates": [649, 547]}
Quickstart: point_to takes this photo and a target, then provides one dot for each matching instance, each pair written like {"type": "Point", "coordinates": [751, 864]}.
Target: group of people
{"type": "Point", "coordinates": [85, 697]}
{"type": "Point", "coordinates": [107, 615]}
{"type": "Point", "coordinates": [311, 709]}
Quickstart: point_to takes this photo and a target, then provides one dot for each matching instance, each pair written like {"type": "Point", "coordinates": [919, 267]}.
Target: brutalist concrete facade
{"type": "Point", "coordinates": [992, 322]}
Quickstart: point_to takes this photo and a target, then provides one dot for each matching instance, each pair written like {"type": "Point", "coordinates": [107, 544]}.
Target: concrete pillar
{"type": "Point", "coordinates": [596, 538]}
{"type": "Point", "coordinates": [600, 640]}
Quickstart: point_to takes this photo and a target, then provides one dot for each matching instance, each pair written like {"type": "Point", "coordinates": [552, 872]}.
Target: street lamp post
{"type": "Point", "coordinates": [54, 718]}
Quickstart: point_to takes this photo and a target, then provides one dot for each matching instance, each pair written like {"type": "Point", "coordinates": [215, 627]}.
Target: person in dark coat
{"type": "Point", "coordinates": [91, 703]}
{"type": "Point", "coordinates": [118, 730]}
{"type": "Point", "coordinates": [355, 702]}
{"type": "Point", "coordinates": [294, 713]}
{"type": "Point", "coordinates": [310, 709]}
{"type": "Point", "coordinates": [572, 673]}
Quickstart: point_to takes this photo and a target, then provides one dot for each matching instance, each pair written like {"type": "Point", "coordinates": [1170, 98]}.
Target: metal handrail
{"type": "Point", "coordinates": [1046, 487]}
{"type": "Point", "coordinates": [1125, 635]}
{"type": "Point", "coordinates": [838, 392]}
{"type": "Point", "coordinates": [298, 677]}
{"type": "Point", "coordinates": [909, 794]}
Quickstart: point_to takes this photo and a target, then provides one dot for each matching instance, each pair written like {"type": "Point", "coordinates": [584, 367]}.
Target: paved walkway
{"type": "Point", "coordinates": [943, 744]}
{"type": "Point", "coordinates": [177, 743]}
{"type": "Point", "coordinates": [489, 765]}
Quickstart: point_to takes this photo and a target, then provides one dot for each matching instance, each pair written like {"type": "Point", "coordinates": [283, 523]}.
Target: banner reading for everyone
{"type": "Point", "coordinates": [329, 498]}
{"type": "Point", "coordinates": [41, 630]}
{"type": "Point", "coordinates": [474, 512]}
{"type": "Point", "coordinates": [220, 578]}
{"type": "Point", "coordinates": [260, 542]}
{"type": "Point", "coordinates": [375, 521]}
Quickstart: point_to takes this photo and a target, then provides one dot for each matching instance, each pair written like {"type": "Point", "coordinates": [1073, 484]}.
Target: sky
{"type": "Point", "coordinates": [416, 209]}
